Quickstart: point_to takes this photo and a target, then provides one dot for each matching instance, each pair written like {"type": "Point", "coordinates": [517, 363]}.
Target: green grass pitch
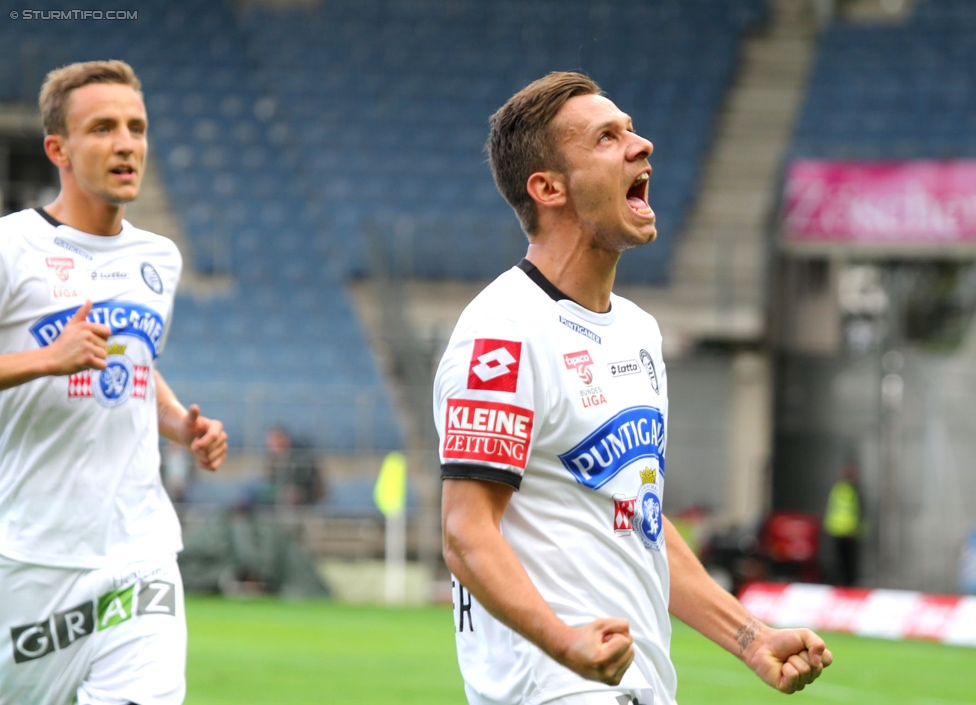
{"type": "Point", "coordinates": [277, 652]}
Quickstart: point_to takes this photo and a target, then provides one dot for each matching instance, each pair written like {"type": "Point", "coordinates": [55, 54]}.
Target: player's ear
{"type": "Point", "coordinates": [547, 188]}
{"type": "Point", "coordinates": [54, 148]}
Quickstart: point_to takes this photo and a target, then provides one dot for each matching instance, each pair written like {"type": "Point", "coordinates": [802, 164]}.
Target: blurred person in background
{"type": "Point", "coordinates": [551, 406]}
{"type": "Point", "coordinates": [843, 522]}
{"type": "Point", "coordinates": [292, 475]}
{"type": "Point", "coordinates": [91, 598]}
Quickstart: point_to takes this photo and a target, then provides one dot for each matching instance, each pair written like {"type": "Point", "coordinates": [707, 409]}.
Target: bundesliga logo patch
{"type": "Point", "coordinates": [61, 265]}
{"type": "Point", "coordinates": [581, 362]}
{"type": "Point", "coordinates": [494, 365]}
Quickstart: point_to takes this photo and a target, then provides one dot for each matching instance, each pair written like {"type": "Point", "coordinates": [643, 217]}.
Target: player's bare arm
{"type": "Point", "coordinates": [786, 659]}
{"type": "Point", "coordinates": [204, 437]}
{"type": "Point", "coordinates": [481, 558]}
{"type": "Point", "coordinates": [81, 346]}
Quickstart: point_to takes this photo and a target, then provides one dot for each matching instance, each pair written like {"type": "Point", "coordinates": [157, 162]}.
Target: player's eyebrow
{"type": "Point", "coordinates": [615, 123]}
{"type": "Point", "coordinates": [100, 120]}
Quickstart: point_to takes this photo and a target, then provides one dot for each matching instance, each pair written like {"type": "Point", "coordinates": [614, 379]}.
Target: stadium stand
{"type": "Point", "coordinates": [894, 92]}
{"type": "Point", "coordinates": [291, 141]}
{"type": "Point", "coordinates": [397, 96]}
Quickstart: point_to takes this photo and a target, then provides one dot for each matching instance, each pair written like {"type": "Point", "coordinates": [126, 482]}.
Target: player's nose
{"type": "Point", "coordinates": [640, 148]}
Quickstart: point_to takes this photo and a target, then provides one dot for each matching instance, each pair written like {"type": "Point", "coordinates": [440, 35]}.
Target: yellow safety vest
{"type": "Point", "coordinates": [843, 516]}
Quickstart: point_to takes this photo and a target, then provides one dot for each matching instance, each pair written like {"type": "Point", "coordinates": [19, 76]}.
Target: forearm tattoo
{"type": "Point", "coordinates": [747, 633]}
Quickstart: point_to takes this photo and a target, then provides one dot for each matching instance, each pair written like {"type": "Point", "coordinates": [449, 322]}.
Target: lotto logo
{"type": "Point", "coordinates": [494, 365]}
{"type": "Point", "coordinates": [487, 432]}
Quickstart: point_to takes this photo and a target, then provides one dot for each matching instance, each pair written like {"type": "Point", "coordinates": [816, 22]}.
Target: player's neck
{"type": "Point", "coordinates": [582, 273]}
{"type": "Point", "coordinates": [86, 213]}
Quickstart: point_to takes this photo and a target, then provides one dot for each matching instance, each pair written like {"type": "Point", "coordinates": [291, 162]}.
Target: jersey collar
{"type": "Point", "coordinates": [547, 286]}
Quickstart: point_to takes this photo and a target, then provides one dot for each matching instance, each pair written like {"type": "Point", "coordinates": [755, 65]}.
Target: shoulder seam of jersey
{"type": "Point", "coordinates": [467, 471]}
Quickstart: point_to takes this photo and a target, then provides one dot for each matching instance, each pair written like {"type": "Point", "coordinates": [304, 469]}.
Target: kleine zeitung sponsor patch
{"type": "Point", "coordinates": [484, 431]}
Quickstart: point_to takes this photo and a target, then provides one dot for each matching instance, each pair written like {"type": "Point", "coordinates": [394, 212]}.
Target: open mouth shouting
{"type": "Point", "coordinates": [124, 171]}
{"type": "Point", "coordinates": [637, 196]}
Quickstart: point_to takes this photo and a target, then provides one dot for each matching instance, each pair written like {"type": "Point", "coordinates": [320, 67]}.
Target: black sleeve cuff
{"type": "Point", "coordinates": [466, 471]}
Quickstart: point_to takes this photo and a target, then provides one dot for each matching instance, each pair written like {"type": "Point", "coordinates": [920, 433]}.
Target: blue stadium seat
{"type": "Point", "coordinates": [894, 92]}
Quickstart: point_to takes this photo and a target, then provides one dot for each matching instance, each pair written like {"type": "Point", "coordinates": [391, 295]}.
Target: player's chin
{"type": "Point", "coordinates": [121, 196]}
{"type": "Point", "coordinates": [645, 235]}
{"type": "Point", "coordinates": [643, 227]}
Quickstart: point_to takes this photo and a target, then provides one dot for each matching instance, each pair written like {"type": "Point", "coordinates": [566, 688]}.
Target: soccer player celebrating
{"type": "Point", "coordinates": [91, 600]}
{"type": "Point", "coordinates": [551, 405]}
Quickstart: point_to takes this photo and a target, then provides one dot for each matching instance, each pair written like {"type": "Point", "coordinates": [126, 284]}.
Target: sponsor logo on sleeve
{"type": "Point", "coordinates": [633, 434]}
{"type": "Point", "coordinates": [484, 431]}
{"type": "Point", "coordinates": [494, 365]}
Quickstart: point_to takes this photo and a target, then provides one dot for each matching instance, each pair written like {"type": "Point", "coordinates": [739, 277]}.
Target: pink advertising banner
{"type": "Point", "coordinates": [879, 203]}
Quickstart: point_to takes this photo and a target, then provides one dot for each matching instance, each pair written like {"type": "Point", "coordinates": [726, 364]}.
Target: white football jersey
{"type": "Point", "coordinates": [569, 407]}
{"type": "Point", "coordinates": [79, 454]}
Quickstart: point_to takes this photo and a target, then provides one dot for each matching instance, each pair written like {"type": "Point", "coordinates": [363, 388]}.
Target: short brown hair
{"type": "Point", "coordinates": [60, 82]}
{"type": "Point", "coordinates": [521, 142]}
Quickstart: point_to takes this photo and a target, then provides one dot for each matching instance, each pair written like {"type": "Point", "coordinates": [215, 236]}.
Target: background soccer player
{"type": "Point", "coordinates": [91, 601]}
{"type": "Point", "coordinates": [553, 386]}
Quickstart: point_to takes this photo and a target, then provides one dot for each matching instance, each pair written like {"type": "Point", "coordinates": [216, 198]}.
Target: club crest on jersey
{"type": "Point", "coordinates": [633, 435]}
{"type": "Point", "coordinates": [488, 432]}
{"type": "Point", "coordinates": [114, 385]}
{"type": "Point", "coordinates": [60, 265]}
{"type": "Point", "coordinates": [494, 365]}
{"type": "Point", "coordinates": [648, 363]}
{"type": "Point", "coordinates": [648, 517]}
{"type": "Point", "coordinates": [152, 278]}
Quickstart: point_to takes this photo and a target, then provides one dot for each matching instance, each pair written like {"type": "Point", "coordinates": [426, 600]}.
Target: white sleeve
{"type": "Point", "coordinates": [484, 403]}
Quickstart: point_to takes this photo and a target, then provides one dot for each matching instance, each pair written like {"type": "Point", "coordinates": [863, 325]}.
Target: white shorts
{"type": "Point", "coordinates": [95, 637]}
